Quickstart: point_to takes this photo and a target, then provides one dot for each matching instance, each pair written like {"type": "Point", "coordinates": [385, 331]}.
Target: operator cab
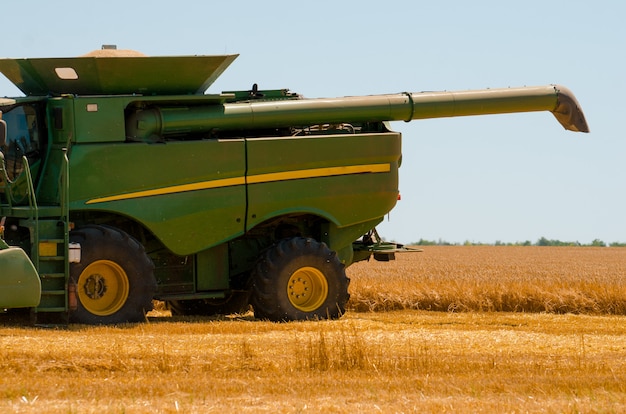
{"type": "Point", "coordinates": [21, 134]}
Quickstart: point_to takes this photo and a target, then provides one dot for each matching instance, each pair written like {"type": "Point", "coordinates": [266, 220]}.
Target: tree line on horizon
{"type": "Point", "coordinates": [540, 242]}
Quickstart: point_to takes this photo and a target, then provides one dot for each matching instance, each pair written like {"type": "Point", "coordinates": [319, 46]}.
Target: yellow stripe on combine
{"type": "Point", "coordinates": [205, 185]}
{"type": "Point", "coordinates": [318, 172]}
{"type": "Point", "coordinates": [254, 179]}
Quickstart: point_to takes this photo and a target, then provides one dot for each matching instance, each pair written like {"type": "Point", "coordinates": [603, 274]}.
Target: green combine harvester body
{"type": "Point", "coordinates": [122, 182]}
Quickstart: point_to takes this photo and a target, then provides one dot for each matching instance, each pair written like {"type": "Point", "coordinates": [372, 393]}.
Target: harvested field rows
{"type": "Point", "coordinates": [400, 361]}
{"type": "Point", "coordinates": [406, 360]}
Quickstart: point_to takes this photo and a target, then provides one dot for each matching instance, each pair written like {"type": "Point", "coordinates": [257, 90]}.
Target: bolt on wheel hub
{"type": "Point", "coordinates": [95, 286]}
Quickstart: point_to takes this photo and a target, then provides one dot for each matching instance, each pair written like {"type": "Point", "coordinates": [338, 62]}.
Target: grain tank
{"type": "Point", "coordinates": [123, 182]}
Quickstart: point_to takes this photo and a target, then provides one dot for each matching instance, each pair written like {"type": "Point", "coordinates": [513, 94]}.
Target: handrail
{"type": "Point", "coordinates": [34, 212]}
{"type": "Point", "coordinates": [32, 198]}
{"type": "Point", "coordinates": [64, 185]}
{"type": "Point", "coordinates": [65, 213]}
{"type": "Point", "coordinates": [8, 183]}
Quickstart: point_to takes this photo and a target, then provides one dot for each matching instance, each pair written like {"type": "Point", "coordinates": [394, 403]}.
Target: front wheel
{"type": "Point", "coordinates": [114, 280]}
{"type": "Point", "coordinates": [299, 279]}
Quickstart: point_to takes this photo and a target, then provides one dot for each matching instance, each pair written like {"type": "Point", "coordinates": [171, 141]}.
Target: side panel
{"type": "Point", "coordinates": [191, 195]}
{"type": "Point", "coordinates": [100, 119]}
{"type": "Point", "coordinates": [348, 179]}
{"type": "Point", "coordinates": [212, 269]}
{"type": "Point", "coordinates": [184, 275]}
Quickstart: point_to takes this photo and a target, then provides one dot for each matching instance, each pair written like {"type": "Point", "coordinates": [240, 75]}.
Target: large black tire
{"type": "Point", "coordinates": [114, 280]}
{"type": "Point", "coordinates": [299, 279]}
{"type": "Point", "coordinates": [237, 302]}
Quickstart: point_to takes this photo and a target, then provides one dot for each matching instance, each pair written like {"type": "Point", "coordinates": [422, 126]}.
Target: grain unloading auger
{"type": "Point", "coordinates": [122, 182]}
{"type": "Point", "coordinates": [163, 121]}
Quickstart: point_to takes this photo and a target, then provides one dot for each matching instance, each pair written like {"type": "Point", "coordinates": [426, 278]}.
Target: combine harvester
{"type": "Point", "coordinates": [121, 182]}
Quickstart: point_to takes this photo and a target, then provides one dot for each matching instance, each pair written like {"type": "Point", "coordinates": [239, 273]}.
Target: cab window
{"type": "Point", "coordinates": [22, 139]}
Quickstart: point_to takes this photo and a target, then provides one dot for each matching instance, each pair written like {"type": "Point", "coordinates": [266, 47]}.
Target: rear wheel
{"type": "Point", "coordinates": [299, 279]}
{"type": "Point", "coordinates": [114, 280]}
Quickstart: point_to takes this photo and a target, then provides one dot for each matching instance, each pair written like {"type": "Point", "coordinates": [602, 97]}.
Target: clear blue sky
{"type": "Point", "coordinates": [503, 177]}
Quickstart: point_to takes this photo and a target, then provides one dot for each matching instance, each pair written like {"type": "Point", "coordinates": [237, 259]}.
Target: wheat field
{"type": "Point", "coordinates": [589, 280]}
{"type": "Point", "coordinates": [389, 353]}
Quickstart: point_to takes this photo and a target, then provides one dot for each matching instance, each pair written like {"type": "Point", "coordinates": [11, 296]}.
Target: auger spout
{"type": "Point", "coordinates": [568, 111]}
{"type": "Point", "coordinates": [554, 98]}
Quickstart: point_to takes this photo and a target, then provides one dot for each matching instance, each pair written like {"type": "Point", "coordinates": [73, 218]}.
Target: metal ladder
{"type": "Point", "coordinates": [52, 265]}
{"type": "Point", "coordinates": [49, 230]}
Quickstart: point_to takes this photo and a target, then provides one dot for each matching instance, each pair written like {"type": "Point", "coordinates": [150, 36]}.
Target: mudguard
{"type": "Point", "coordinates": [20, 286]}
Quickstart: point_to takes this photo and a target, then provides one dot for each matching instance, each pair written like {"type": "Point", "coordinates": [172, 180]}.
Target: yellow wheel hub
{"type": "Point", "coordinates": [307, 289]}
{"type": "Point", "coordinates": [103, 287]}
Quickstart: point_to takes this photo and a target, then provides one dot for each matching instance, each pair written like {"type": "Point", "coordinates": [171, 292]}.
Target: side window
{"type": "Point", "coordinates": [22, 138]}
